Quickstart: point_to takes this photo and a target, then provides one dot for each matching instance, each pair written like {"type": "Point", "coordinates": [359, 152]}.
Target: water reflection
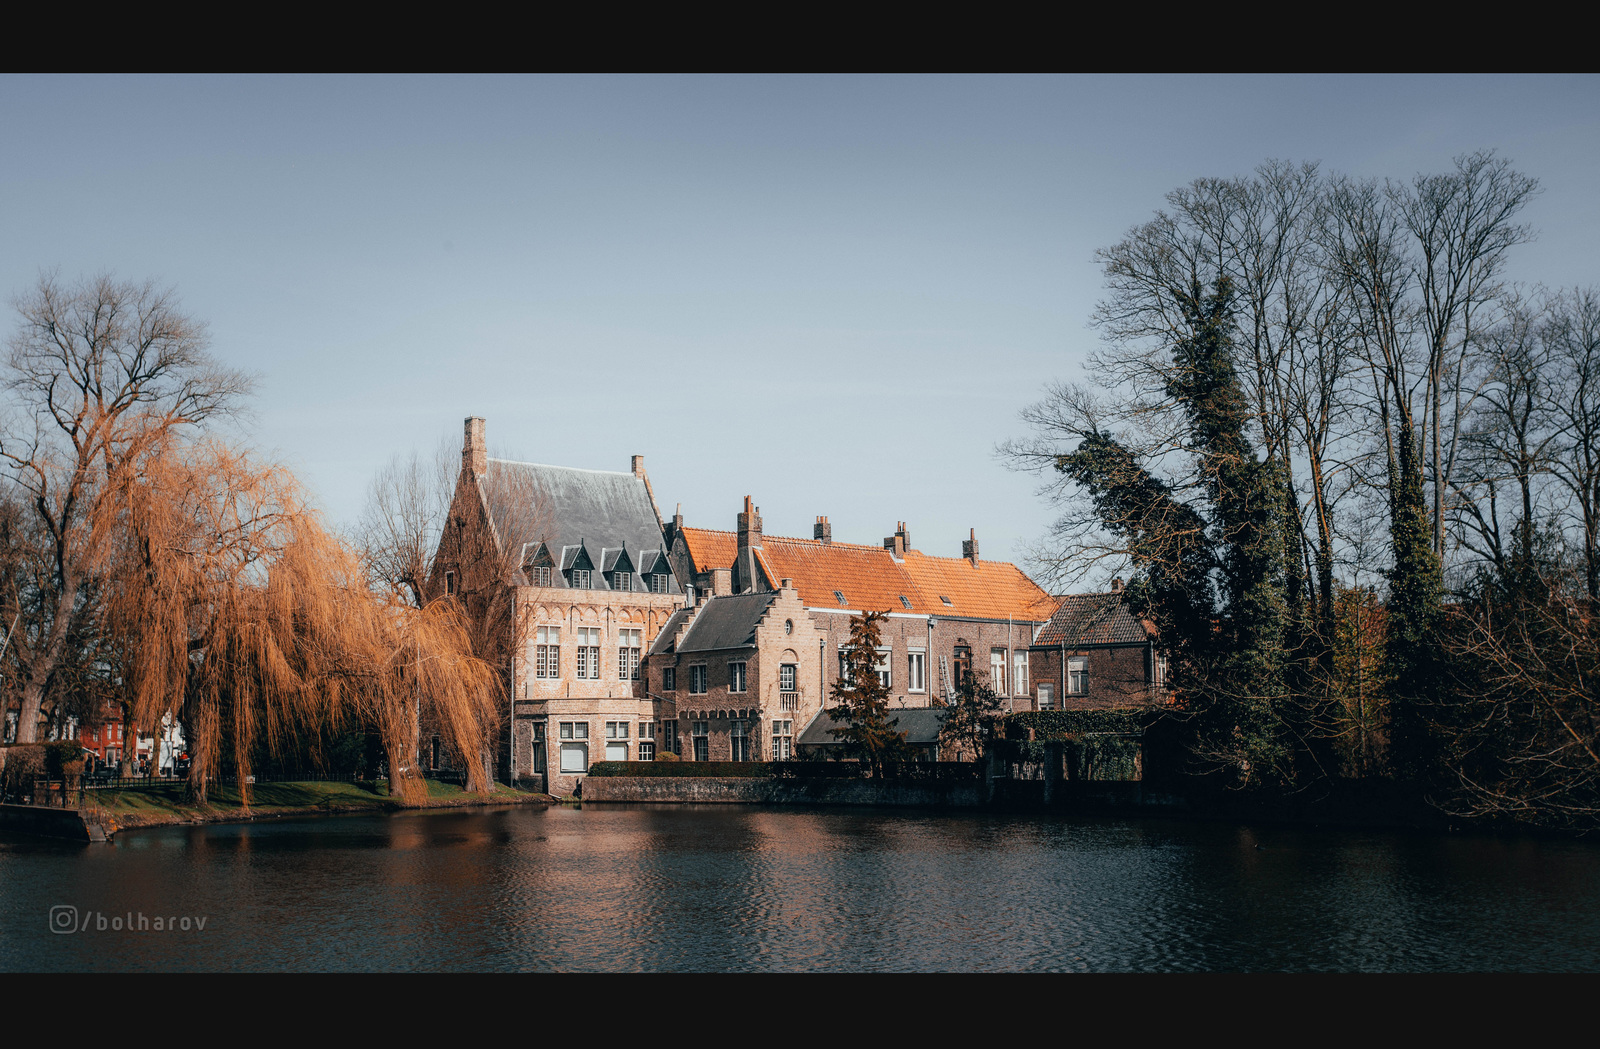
{"type": "Point", "coordinates": [732, 888]}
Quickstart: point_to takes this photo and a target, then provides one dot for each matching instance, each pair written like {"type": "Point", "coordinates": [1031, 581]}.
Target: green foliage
{"type": "Point", "coordinates": [861, 699]}
{"type": "Point", "coordinates": [974, 720]}
{"type": "Point", "coordinates": [1415, 595]}
{"type": "Point", "coordinates": [1069, 724]}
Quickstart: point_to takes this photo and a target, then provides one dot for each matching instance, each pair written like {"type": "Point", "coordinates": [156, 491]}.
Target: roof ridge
{"type": "Point", "coordinates": [569, 469]}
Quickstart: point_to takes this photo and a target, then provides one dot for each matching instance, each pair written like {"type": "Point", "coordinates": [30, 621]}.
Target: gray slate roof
{"type": "Point", "coordinates": [600, 511]}
{"type": "Point", "coordinates": [1094, 619]}
{"type": "Point", "coordinates": [920, 724]}
{"type": "Point", "coordinates": [726, 622]}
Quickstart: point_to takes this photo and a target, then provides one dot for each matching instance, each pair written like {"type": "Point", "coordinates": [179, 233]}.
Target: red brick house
{"type": "Point", "coordinates": [1094, 654]}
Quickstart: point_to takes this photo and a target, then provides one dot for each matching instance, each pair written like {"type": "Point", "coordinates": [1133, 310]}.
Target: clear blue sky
{"type": "Point", "coordinates": [831, 294]}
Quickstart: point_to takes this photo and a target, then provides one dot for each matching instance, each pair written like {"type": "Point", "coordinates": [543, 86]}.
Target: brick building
{"type": "Point", "coordinates": [947, 616]}
{"type": "Point", "coordinates": [590, 586]}
{"type": "Point", "coordinates": [1095, 654]}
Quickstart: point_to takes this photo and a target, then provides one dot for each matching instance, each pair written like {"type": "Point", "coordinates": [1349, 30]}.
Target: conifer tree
{"type": "Point", "coordinates": [861, 699]}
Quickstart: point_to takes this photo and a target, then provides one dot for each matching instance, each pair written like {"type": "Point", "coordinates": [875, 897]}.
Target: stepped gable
{"type": "Point", "coordinates": [727, 622]}
{"type": "Point", "coordinates": [872, 580]}
{"type": "Point", "coordinates": [1094, 619]}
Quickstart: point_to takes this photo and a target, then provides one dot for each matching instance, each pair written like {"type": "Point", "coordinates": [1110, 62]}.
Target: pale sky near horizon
{"type": "Point", "coordinates": [833, 294]}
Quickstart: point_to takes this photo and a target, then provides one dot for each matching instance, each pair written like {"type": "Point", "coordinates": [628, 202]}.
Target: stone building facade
{"type": "Point", "coordinates": [571, 568]}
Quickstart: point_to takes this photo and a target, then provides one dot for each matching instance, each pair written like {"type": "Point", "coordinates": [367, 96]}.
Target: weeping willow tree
{"type": "Point", "coordinates": [235, 610]}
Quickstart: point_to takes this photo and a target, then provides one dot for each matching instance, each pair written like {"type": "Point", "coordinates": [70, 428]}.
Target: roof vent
{"type": "Point", "coordinates": [840, 595]}
{"type": "Point", "coordinates": [947, 601]}
{"type": "Point", "coordinates": [906, 601]}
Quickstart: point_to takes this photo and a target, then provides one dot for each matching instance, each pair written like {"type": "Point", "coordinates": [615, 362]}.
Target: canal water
{"type": "Point", "coordinates": [734, 888]}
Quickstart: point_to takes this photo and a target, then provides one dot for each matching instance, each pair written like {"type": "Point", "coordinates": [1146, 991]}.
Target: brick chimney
{"type": "Point", "coordinates": [969, 547]}
{"type": "Point", "coordinates": [744, 568]}
{"type": "Point", "coordinates": [822, 531]}
{"type": "Point", "coordinates": [1116, 585]}
{"type": "Point", "coordinates": [896, 544]}
{"type": "Point", "coordinates": [474, 452]}
{"type": "Point", "coordinates": [637, 467]}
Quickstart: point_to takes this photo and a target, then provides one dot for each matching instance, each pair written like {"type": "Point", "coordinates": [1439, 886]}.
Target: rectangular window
{"type": "Point", "coordinates": [588, 653]}
{"type": "Point", "coordinates": [885, 678]}
{"type": "Point", "coordinates": [1019, 672]}
{"type": "Point", "coordinates": [787, 673]}
{"type": "Point", "coordinates": [844, 669]}
{"type": "Point", "coordinates": [450, 584]}
{"type": "Point", "coordinates": [541, 575]}
{"type": "Point", "coordinates": [997, 670]}
{"type": "Point", "coordinates": [647, 730]}
{"type": "Point", "coordinates": [1047, 697]}
{"type": "Point", "coordinates": [697, 679]}
{"type": "Point", "coordinates": [616, 750]}
{"type": "Point", "coordinates": [1077, 677]}
{"type": "Point", "coordinates": [736, 677]}
{"type": "Point", "coordinates": [628, 654]}
{"type": "Point", "coordinates": [621, 581]}
{"type": "Point", "coordinates": [782, 740]}
{"type": "Point", "coordinates": [647, 750]}
{"type": "Point", "coordinates": [547, 652]}
{"type": "Point", "coordinates": [699, 733]}
{"type": "Point", "coordinates": [658, 583]}
{"type": "Point", "coordinates": [917, 672]}
{"type": "Point", "coordinates": [669, 679]}
{"type": "Point", "coordinates": [574, 730]}
{"type": "Point", "coordinates": [580, 578]}
{"type": "Point", "coordinates": [669, 735]}
{"type": "Point", "coordinates": [537, 746]}
{"type": "Point", "coordinates": [739, 740]}
{"type": "Point", "coordinates": [616, 730]}
{"type": "Point", "coordinates": [574, 757]}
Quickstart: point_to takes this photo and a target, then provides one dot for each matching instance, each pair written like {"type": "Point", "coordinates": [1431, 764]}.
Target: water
{"type": "Point", "coordinates": [731, 888]}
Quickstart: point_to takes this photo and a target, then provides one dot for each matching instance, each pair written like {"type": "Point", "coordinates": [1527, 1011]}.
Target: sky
{"type": "Point", "coordinates": [832, 294]}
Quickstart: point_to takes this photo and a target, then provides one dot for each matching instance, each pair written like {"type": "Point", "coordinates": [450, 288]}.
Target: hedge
{"type": "Point", "coordinates": [1070, 724]}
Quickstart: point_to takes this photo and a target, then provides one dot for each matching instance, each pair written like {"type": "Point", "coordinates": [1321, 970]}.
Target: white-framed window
{"type": "Point", "coordinates": [574, 730]}
{"type": "Point", "coordinates": [547, 652]}
{"type": "Point", "coordinates": [621, 581]}
{"type": "Point", "coordinates": [1047, 697]}
{"type": "Point", "coordinates": [588, 653]}
{"type": "Point", "coordinates": [1077, 677]}
{"type": "Point", "coordinates": [700, 734]}
{"type": "Point", "coordinates": [917, 671]}
{"type": "Point", "coordinates": [787, 673]}
{"type": "Point", "coordinates": [669, 679]}
{"type": "Point", "coordinates": [839, 596]}
{"type": "Point", "coordinates": [997, 670]}
{"type": "Point", "coordinates": [1019, 671]}
{"type": "Point", "coordinates": [647, 750]}
{"type": "Point", "coordinates": [658, 583]}
{"type": "Point", "coordinates": [782, 740]}
{"type": "Point", "coordinates": [844, 669]}
{"type": "Point", "coordinates": [540, 574]}
{"type": "Point", "coordinates": [739, 740]}
{"type": "Point", "coordinates": [736, 676]}
{"type": "Point", "coordinates": [697, 679]}
{"type": "Point", "coordinates": [580, 579]}
{"type": "Point", "coordinates": [616, 730]}
{"type": "Point", "coordinates": [628, 642]}
{"type": "Point", "coordinates": [885, 671]}
{"type": "Point", "coordinates": [647, 730]}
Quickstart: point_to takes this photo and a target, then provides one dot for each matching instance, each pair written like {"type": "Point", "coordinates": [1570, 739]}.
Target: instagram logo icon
{"type": "Point", "coordinates": [63, 918]}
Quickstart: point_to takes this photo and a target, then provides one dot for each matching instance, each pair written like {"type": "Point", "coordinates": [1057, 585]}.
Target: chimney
{"type": "Point", "coordinates": [744, 568]}
{"type": "Point", "coordinates": [823, 531]}
{"type": "Point", "coordinates": [788, 584]}
{"type": "Point", "coordinates": [637, 467]}
{"type": "Point", "coordinates": [1116, 585]}
{"type": "Point", "coordinates": [969, 547]}
{"type": "Point", "coordinates": [721, 582]}
{"type": "Point", "coordinates": [474, 452]}
{"type": "Point", "coordinates": [905, 536]}
{"type": "Point", "coordinates": [896, 544]}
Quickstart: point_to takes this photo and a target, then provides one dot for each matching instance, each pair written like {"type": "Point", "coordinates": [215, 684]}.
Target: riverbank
{"type": "Point", "coordinates": [166, 804]}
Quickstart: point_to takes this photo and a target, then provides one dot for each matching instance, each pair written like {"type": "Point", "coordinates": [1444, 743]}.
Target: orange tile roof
{"type": "Point", "coordinates": [871, 579]}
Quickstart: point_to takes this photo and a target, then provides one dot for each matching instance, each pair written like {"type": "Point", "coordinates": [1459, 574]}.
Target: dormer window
{"type": "Point", "coordinates": [539, 575]}
{"type": "Point", "coordinates": [580, 579]}
{"type": "Point", "coordinates": [658, 583]}
{"type": "Point", "coordinates": [905, 601]}
{"type": "Point", "coordinates": [621, 581]}
{"type": "Point", "coordinates": [947, 601]}
{"type": "Point", "coordinates": [839, 595]}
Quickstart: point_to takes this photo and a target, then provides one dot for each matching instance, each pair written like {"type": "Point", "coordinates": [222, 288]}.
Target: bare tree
{"type": "Point", "coordinates": [1571, 338]}
{"type": "Point", "coordinates": [404, 519]}
{"type": "Point", "coordinates": [98, 374]}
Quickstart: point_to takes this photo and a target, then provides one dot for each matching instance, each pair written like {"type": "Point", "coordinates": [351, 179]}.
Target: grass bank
{"type": "Point", "coordinates": [162, 804]}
